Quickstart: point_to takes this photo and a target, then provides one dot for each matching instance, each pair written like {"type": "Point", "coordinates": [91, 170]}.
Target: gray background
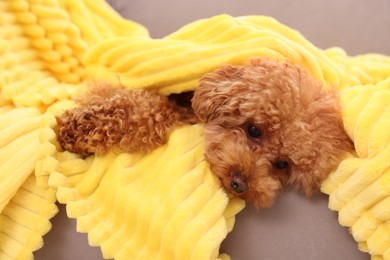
{"type": "Point", "coordinates": [295, 227]}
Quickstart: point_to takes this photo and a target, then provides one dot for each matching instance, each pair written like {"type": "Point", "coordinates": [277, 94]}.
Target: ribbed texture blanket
{"type": "Point", "coordinates": [165, 204]}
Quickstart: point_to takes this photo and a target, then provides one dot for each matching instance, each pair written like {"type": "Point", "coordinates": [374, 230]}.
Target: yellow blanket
{"type": "Point", "coordinates": [166, 204]}
{"type": "Point", "coordinates": [359, 188]}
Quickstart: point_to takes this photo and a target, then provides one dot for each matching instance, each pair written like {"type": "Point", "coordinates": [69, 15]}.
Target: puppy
{"type": "Point", "coordinates": [268, 124]}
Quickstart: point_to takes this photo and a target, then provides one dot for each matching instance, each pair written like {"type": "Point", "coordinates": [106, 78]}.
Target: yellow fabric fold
{"type": "Point", "coordinates": [19, 149]}
{"type": "Point", "coordinates": [40, 63]}
{"type": "Point", "coordinates": [47, 41]}
{"type": "Point", "coordinates": [53, 38]}
{"type": "Point", "coordinates": [359, 70]}
{"type": "Point", "coordinates": [176, 62]}
{"type": "Point", "coordinates": [202, 46]}
{"type": "Point", "coordinates": [174, 207]}
{"type": "Point", "coordinates": [25, 219]}
{"type": "Point", "coordinates": [25, 208]}
{"type": "Point", "coordinates": [96, 21]}
{"type": "Point", "coordinates": [359, 189]}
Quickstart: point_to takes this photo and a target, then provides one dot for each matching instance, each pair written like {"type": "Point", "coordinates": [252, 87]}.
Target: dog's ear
{"type": "Point", "coordinates": [320, 143]}
{"type": "Point", "coordinates": [310, 172]}
{"type": "Point", "coordinates": [214, 91]}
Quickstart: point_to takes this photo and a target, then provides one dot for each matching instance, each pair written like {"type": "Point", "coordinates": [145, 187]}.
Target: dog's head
{"type": "Point", "coordinates": [268, 124]}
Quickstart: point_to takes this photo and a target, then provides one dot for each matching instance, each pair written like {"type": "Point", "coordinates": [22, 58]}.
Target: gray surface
{"type": "Point", "coordinates": [295, 227]}
{"type": "Point", "coordinates": [357, 26]}
{"type": "Point", "coordinates": [64, 243]}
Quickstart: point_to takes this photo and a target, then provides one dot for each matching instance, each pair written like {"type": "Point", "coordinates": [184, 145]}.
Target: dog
{"type": "Point", "coordinates": [267, 125]}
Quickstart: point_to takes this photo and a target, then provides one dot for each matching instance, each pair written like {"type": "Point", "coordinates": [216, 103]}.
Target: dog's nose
{"type": "Point", "coordinates": [238, 184]}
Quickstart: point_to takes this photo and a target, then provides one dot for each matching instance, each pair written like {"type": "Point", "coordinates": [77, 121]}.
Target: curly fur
{"type": "Point", "coordinates": [300, 132]}
{"type": "Point", "coordinates": [114, 118]}
{"type": "Point", "coordinates": [299, 124]}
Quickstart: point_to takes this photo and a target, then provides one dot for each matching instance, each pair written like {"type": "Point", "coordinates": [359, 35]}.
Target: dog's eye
{"type": "Point", "coordinates": [253, 131]}
{"type": "Point", "coordinates": [281, 165]}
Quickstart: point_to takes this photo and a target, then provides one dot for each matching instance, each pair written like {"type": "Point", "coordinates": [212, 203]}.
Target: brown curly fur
{"type": "Point", "coordinates": [299, 126]}
{"type": "Point", "coordinates": [298, 121]}
{"type": "Point", "coordinates": [114, 118]}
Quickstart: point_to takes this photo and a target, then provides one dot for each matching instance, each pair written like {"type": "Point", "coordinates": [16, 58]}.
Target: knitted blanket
{"type": "Point", "coordinates": [165, 204]}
